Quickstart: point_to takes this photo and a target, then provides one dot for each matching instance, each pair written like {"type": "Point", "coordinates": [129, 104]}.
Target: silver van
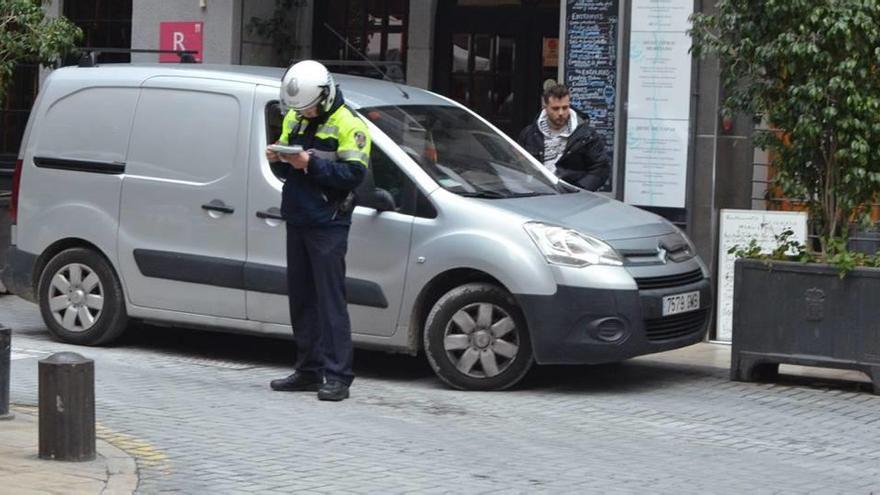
{"type": "Point", "coordinates": [142, 192]}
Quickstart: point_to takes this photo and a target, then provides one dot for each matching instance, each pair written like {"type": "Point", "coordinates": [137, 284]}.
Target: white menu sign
{"type": "Point", "coordinates": [738, 228]}
{"type": "Point", "coordinates": [659, 98]}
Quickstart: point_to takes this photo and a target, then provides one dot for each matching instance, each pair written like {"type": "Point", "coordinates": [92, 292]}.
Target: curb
{"type": "Point", "coordinates": [122, 471]}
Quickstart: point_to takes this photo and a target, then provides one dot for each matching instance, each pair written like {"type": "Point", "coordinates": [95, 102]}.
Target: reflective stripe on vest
{"type": "Point", "coordinates": [359, 156]}
{"type": "Point", "coordinates": [327, 155]}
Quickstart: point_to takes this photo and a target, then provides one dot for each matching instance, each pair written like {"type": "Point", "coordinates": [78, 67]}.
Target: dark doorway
{"type": "Point", "coordinates": [494, 56]}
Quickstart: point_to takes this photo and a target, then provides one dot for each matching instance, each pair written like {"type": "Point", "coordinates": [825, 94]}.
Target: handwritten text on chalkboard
{"type": "Point", "coordinates": [591, 62]}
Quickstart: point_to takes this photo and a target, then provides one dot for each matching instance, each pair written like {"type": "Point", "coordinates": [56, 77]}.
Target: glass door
{"type": "Point", "coordinates": [482, 75]}
{"type": "Point", "coordinates": [494, 57]}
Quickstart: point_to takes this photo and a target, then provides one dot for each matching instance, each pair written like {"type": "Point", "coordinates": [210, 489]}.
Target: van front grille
{"type": "Point", "coordinates": [668, 281]}
{"type": "Point", "coordinates": [676, 326]}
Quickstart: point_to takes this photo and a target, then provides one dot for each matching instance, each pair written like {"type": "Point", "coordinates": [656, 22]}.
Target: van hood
{"type": "Point", "coordinates": [589, 213]}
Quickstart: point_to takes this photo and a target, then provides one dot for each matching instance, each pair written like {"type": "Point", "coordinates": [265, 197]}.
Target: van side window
{"type": "Point", "coordinates": [408, 199]}
{"type": "Point", "coordinates": [387, 175]}
{"type": "Point", "coordinates": [274, 119]}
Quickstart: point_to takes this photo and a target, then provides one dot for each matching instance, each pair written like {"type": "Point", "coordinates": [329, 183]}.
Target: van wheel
{"type": "Point", "coordinates": [476, 338]}
{"type": "Point", "coordinates": [81, 299]}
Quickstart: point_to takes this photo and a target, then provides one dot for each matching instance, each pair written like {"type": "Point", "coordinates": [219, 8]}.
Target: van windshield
{"type": "Point", "coordinates": [460, 152]}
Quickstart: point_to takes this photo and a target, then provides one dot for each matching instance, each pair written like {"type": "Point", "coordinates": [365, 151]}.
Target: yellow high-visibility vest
{"type": "Point", "coordinates": [342, 137]}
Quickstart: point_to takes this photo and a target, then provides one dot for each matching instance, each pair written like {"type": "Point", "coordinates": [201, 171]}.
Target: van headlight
{"type": "Point", "coordinates": [567, 247]}
{"type": "Point", "coordinates": [691, 248]}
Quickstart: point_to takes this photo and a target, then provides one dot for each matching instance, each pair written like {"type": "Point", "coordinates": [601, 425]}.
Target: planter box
{"type": "Point", "coordinates": [804, 314]}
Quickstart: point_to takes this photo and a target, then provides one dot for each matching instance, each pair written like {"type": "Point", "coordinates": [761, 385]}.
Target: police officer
{"type": "Point", "coordinates": [316, 203]}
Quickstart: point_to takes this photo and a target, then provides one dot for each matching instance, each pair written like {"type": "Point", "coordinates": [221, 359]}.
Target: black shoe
{"type": "Point", "coordinates": [296, 382]}
{"type": "Point", "coordinates": [333, 390]}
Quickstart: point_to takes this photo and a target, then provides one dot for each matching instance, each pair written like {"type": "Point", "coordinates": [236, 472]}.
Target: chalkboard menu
{"type": "Point", "coordinates": [591, 62]}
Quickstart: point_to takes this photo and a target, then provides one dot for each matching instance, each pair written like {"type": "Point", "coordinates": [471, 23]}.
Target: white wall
{"type": "Point", "coordinates": [420, 42]}
{"type": "Point", "coordinates": [52, 9]}
{"type": "Point", "coordinates": [254, 50]}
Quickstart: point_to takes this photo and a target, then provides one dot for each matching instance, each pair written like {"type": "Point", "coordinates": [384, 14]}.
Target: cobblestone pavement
{"type": "Point", "coordinates": [195, 409]}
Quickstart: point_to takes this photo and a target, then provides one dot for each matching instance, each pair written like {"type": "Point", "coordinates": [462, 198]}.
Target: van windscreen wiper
{"type": "Point", "coordinates": [527, 194]}
{"type": "Point", "coordinates": [482, 194]}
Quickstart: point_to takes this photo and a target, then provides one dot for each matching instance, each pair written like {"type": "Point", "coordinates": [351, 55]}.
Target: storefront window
{"type": "Point", "coordinates": [482, 69]}
{"type": "Point", "coordinates": [105, 24]}
{"type": "Point", "coordinates": [349, 31]}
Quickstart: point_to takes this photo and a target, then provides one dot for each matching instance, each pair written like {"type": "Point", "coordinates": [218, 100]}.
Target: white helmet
{"type": "Point", "coordinates": [306, 84]}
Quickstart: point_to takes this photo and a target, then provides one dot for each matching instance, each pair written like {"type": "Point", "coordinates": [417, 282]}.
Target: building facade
{"type": "Point", "coordinates": [494, 56]}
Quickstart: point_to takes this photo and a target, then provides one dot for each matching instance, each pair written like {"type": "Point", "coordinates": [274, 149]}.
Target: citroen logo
{"type": "Point", "coordinates": [661, 254]}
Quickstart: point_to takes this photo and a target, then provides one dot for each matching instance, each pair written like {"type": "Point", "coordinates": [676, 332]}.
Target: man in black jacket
{"type": "Point", "coordinates": [564, 142]}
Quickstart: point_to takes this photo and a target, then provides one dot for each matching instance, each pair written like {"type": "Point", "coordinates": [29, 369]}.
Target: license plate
{"type": "Point", "coordinates": [681, 303]}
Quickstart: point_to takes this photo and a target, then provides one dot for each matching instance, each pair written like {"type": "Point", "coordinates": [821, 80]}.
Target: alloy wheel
{"type": "Point", "coordinates": [481, 340]}
{"type": "Point", "coordinates": [76, 297]}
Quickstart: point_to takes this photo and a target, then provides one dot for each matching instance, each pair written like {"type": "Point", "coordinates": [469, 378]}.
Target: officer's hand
{"type": "Point", "coordinates": [272, 156]}
{"type": "Point", "coordinates": [299, 161]}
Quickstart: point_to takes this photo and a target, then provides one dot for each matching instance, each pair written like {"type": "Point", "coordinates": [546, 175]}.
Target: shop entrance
{"type": "Point", "coordinates": [495, 55]}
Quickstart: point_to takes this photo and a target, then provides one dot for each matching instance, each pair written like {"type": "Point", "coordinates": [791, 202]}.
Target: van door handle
{"type": "Point", "coordinates": [272, 213]}
{"type": "Point", "coordinates": [218, 205]}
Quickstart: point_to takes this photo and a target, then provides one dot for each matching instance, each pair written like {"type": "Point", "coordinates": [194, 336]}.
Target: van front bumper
{"type": "Point", "coordinates": [18, 274]}
{"type": "Point", "coordinates": [591, 326]}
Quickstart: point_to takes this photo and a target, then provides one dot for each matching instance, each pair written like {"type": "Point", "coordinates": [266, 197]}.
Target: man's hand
{"type": "Point", "coordinates": [299, 161]}
{"type": "Point", "coordinates": [272, 156]}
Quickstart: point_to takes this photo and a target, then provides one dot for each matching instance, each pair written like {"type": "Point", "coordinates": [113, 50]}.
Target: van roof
{"type": "Point", "coordinates": [358, 91]}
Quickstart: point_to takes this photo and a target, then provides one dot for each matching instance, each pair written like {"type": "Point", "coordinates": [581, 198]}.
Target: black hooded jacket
{"type": "Point", "coordinates": [584, 161]}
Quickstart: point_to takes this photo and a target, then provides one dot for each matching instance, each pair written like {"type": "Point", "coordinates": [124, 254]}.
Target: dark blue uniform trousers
{"type": "Point", "coordinates": [316, 292]}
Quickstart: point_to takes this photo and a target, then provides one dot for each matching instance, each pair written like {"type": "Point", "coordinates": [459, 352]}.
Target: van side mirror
{"type": "Point", "coordinates": [378, 199]}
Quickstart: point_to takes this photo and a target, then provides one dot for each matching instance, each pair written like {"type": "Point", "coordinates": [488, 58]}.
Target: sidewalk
{"type": "Point", "coordinates": [23, 473]}
{"type": "Point", "coordinates": [715, 355]}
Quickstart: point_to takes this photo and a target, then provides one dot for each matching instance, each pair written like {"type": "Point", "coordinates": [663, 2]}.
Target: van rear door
{"type": "Point", "coordinates": [182, 219]}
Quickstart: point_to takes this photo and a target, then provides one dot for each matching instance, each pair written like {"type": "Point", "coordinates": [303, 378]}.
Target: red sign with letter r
{"type": "Point", "coordinates": [180, 36]}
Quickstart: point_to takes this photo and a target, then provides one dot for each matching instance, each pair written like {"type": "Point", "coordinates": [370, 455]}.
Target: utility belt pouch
{"type": "Point", "coordinates": [346, 205]}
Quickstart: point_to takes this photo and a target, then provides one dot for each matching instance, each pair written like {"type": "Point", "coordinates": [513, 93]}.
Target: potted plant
{"type": "Point", "coordinates": [810, 68]}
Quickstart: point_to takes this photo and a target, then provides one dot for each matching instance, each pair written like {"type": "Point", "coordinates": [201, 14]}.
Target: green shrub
{"type": "Point", "coordinates": [811, 68]}
{"type": "Point", "coordinates": [27, 36]}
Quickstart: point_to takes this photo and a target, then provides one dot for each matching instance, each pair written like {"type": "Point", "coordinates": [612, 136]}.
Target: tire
{"type": "Point", "coordinates": [476, 338]}
{"type": "Point", "coordinates": [80, 298]}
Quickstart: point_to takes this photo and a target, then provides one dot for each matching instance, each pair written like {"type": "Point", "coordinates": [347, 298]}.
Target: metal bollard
{"type": "Point", "coordinates": [67, 407]}
{"type": "Point", "coordinates": [5, 369]}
